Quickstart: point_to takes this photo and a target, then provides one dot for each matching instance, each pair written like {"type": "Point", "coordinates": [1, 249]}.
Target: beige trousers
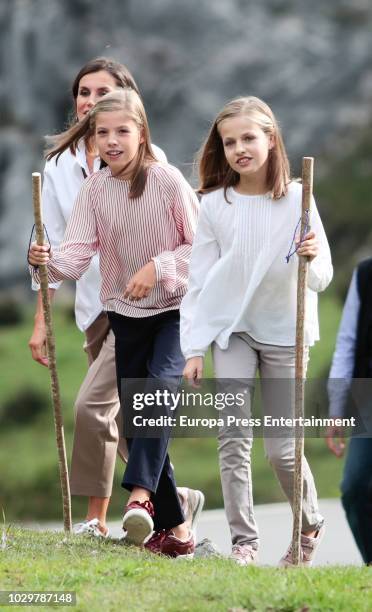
{"type": "Point", "coordinates": [98, 421]}
{"type": "Point", "coordinates": [243, 357]}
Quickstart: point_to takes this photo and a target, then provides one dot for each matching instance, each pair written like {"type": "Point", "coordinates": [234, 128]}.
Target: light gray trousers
{"type": "Point", "coordinates": [241, 360]}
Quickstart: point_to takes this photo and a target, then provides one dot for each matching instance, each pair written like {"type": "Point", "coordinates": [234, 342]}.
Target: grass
{"type": "Point", "coordinates": [30, 457]}
{"type": "Point", "coordinates": [19, 371]}
{"type": "Point", "coordinates": [110, 576]}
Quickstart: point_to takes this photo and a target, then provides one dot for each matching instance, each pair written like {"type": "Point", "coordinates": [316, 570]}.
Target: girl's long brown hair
{"type": "Point", "coordinates": [128, 101]}
{"type": "Point", "coordinates": [215, 172]}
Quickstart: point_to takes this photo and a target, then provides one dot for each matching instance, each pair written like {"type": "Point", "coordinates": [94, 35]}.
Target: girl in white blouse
{"type": "Point", "coordinates": [242, 299]}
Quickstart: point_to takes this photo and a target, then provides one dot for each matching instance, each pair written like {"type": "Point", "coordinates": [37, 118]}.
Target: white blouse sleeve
{"type": "Point", "coordinates": [205, 252]}
{"type": "Point", "coordinates": [159, 153]}
{"type": "Point", "coordinates": [343, 360]}
{"type": "Point", "coordinates": [320, 269]}
{"type": "Point", "coordinates": [53, 218]}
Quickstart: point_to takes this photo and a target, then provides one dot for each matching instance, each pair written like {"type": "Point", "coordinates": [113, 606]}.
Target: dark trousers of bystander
{"type": "Point", "coordinates": [149, 348]}
{"type": "Point", "coordinates": [356, 490]}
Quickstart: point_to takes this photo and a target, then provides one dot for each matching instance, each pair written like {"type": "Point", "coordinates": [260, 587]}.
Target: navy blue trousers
{"type": "Point", "coordinates": [356, 489]}
{"type": "Point", "coordinates": [149, 347]}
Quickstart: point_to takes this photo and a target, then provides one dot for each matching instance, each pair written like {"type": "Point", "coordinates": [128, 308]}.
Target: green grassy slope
{"type": "Point", "coordinates": [109, 576]}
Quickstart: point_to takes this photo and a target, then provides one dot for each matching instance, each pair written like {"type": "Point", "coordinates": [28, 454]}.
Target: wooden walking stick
{"type": "Point", "coordinates": [307, 189]}
{"type": "Point", "coordinates": [58, 420]}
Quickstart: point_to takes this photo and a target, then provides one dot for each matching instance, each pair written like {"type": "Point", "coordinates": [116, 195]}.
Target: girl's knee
{"type": "Point", "coordinates": [279, 453]}
{"type": "Point", "coordinates": [234, 446]}
{"type": "Point", "coordinates": [234, 453]}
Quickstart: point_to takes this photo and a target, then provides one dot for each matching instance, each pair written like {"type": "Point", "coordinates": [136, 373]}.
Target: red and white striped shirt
{"type": "Point", "coordinates": [128, 233]}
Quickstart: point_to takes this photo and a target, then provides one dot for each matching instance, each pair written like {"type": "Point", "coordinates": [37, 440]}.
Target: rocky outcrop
{"type": "Point", "coordinates": [310, 60]}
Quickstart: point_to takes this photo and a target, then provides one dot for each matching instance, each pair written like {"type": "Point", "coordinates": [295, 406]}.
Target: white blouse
{"type": "Point", "coordinates": [239, 278]}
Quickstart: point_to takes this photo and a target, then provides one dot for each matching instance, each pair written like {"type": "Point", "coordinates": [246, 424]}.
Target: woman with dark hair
{"type": "Point", "coordinates": [97, 408]}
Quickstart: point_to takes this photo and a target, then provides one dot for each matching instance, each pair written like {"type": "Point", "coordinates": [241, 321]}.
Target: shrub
{"type": "Point", "coordinates": [11, 312]}
{"type": "Point", "coordinates": [23, 407]}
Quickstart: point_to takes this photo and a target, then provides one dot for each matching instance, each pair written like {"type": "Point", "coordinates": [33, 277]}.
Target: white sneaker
{"type": "Point", "coordinates": [90, 528]}
{"type": "Point", "coordinates": [137, 521]}
{"type": "Point", "coordinates": [192, 504]}
{"type": "Point", "coordinates": [243, 554]}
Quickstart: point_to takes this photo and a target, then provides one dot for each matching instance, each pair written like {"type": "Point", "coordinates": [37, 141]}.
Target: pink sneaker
{"type": "Point", "coordinates": [137, 521]}
{"type": "Point", "coordinates": [308, 550]}
{"type": "Point", "coordinates": [165, 543]}
{"type": "Point", "coordinates": [243, 554]}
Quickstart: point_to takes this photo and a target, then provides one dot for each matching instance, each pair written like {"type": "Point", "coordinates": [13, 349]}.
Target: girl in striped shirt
{"type": "Point", "coordinates": [140, 215]}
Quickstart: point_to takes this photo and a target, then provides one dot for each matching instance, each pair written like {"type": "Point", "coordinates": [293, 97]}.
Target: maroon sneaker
{"type": "Point", "coordinates": [155, 542]}
{"type": "Point", "coordinates": [166, 543]}
{"type": "Point", "coordinates": [137, 521]}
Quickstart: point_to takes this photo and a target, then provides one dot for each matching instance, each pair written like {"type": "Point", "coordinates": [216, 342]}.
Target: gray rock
{"type": "Point", "coordinates": [206, 548]}
{"type": "Point", "coordinates": [310, 61]}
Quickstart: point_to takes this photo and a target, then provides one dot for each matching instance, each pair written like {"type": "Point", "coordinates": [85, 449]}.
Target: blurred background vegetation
{"type": "Point", "coordinates": [30, 488]}
{"type": "Point", "coordinates": [310, 61]}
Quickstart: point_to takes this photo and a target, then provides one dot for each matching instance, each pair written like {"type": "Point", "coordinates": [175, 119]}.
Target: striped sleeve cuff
{"type": "Point", "coordinates": [166, 272]}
